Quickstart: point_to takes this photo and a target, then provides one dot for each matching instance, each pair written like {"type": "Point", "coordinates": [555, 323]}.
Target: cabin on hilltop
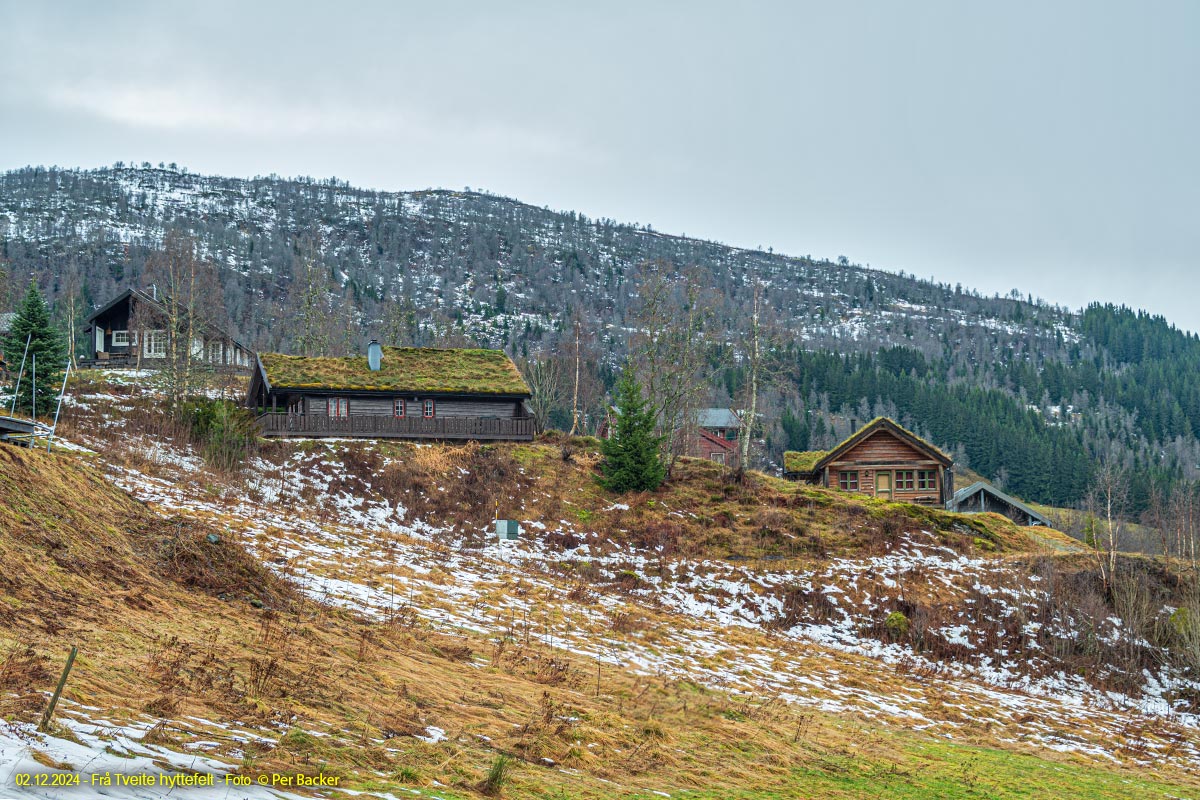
{"type": "Point", "coordinates": [130, 331]}
{"type": "Point", "coordinates": [881, 459]}
{"type": "Point", "coordinates": [392, 393]}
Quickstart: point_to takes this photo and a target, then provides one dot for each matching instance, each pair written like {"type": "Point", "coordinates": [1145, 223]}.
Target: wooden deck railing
{"type": "Point", "coordinates": [398, 427]}
{"type": "Point", "coordinates": [127, 361]}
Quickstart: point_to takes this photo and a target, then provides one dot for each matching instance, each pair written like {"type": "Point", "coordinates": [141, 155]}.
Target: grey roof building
{"type": "Point", "coordinates": [982, 496]}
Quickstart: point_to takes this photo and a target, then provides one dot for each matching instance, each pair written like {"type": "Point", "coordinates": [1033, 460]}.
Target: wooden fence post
{"type": "Point", "coordinates": [44, 725]}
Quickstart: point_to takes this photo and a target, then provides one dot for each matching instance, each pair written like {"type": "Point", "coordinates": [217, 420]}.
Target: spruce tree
{"type": "Point", "coordinates": [47, 342]}
{"type": "Point", "coordinates": [632, 462]}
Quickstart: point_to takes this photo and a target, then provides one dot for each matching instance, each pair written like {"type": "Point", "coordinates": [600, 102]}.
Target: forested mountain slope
{"type": "Point", "coordinates": [1025, 392]}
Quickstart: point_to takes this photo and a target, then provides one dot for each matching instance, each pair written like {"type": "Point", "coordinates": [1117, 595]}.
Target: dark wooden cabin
{"type": "Point", "coordinates": [392, 392]}
{"type": "Point", "coordinates": [881, 459]}
{"type": "Point", "coordinates": [982, 497]}
{"type": "Point", "coordinates": [120, 339]}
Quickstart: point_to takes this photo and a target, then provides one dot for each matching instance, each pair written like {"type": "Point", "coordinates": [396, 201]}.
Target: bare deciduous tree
{"type": "Point", "coordinates": [671, 318]}
{"type": "Point", "coordinates": [1106, 502]}
{"type": "Point", "coordinates": [189, 294]}
{"type": "Point", "coordinates": [545, 378]}
{"type": "Point", "coordinates": [309, 305]}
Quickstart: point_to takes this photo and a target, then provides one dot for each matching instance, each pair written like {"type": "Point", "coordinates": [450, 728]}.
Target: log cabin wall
{"type": "Point", "coordinates": [383, 406]}
{"type": "Point", "coordinates": [884, 452]}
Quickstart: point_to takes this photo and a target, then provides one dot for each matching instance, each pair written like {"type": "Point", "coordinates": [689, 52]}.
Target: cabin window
{"type": "Point", "coordinates": [338, 406]}
{"type": "Point", "coordinates": [120, 338]}
{"type": "Point", "coordinates": [156, 344]}
{"type": "Point", "coordinates": [428, 408]}
{"type": "Point", "coordinates": [927, 479]}
{"type": "Point", "coordinates": [215, 355]}
{"type": "Point", "coordinates": [398, 407]}
{"type": "Point", "coordinates": [904, 479]}
{"type": "Point", "coordinates": [718, 457]}
{"type": "Point", "coordinates": [848, 481]}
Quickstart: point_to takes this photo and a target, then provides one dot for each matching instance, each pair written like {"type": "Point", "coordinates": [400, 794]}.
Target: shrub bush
{"type": "Point", "coordinates": [897, 625]}
{"type": "Point", "coordinates": [224, 432]}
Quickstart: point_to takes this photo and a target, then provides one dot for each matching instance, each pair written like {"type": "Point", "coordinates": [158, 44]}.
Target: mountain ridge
{"type": "Point", "coordinates": [333, 265]}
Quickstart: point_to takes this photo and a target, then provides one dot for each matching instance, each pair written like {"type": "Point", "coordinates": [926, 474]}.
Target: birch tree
{"type": "Point", "coordinates": [760, 359]}
{"type": "Point", "coordinates": [671, 318]}
{"type": "Point", "coordinates": [545, 378]}
{"type": "Point", "coordinates": [1106, 502]}
{"type": "Point", "coordinates": [189, 294]}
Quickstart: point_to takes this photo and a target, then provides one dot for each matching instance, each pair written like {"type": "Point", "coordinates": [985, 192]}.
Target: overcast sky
{"type": "Point", "coordinates": [1052, 147]}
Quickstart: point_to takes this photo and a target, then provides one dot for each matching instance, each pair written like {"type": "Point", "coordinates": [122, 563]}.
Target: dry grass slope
{"type": "Point", "coordinates": [176, 627]}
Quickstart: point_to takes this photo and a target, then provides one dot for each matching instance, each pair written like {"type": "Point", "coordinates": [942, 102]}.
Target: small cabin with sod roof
{"type": "Point", "coordinates": [392, 392]}
{"type": "Point", "coordinates": [882, 459]}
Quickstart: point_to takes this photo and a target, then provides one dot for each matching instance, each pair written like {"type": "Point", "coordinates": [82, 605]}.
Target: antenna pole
{"type": "Point", "coordinates": [21, 374]}
{"type": "Point", "coordinates": [58, 408]}
{"type": "Point", "coordinates": [33, 399]}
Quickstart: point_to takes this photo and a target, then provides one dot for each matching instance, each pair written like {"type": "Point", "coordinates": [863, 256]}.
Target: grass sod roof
{"type": "Point", "coordinates": [802, 460]}
{"type": "Point", "coordinates": [403, 369]}
{"type": "Point", "coordinates": [808, 460]}
{"type": "Point", "coordinates": [861, 433]}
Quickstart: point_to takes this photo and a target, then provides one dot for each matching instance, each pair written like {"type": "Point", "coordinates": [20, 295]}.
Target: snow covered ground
{"type": "Point", "coordinates": [722, 624]}
{"type": "Point", "coordinates": [100, 758]}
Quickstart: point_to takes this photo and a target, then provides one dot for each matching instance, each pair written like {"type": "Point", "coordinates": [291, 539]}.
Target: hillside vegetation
{"type": "Point", "coordinates": [356, 616]}
{"type": "Point", "coordinates": [1028, 394]}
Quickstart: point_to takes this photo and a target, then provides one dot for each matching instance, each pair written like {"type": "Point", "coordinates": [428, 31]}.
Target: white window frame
{"type": "Point", "coordinates": [216, 352]}
{"type": "Point", "coordinates": [399, 409]}
{"type": "Point", "coordinates": [120, 338]}
{"type": "Point", "coordinates": [155, 344]}
{"type": "Point", "coordinates": [337, 407]}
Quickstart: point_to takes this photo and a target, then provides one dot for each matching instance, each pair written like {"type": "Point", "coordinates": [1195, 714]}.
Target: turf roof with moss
{"type": "Point", "coordinates": [802, 461]}
{"type": "Point", "coordinates": [807, 460]}
{"type": "Point", "coordinates": [402, 369]}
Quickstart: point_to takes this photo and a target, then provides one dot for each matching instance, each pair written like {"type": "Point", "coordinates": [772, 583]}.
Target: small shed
{"type": "Point", "coordinates": [508, 529]}
{"type": "Point", "coordinates": [982, 497]}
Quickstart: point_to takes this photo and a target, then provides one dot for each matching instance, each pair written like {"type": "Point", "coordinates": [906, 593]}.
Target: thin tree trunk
{"type": "Point", "coordinates": [575, 395]}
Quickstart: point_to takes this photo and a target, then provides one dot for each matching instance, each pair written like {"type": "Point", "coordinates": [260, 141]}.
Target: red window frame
{"type": "Point", "coordinates": [398, 408]}
{"type": "Point", "coordinates": [337, 407]}
{"type": "Point", "coordinates": [429, 409]}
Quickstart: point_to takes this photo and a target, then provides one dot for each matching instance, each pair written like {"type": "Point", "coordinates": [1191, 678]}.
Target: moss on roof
{"type": "Point", "coordinates": [403, 369]}
{"type": "Point", "coordinates": [806, 461]}
{"type": "Point", "coordinates": [802, 461]}
{"type": "Point", "coordinates": [899, 427]}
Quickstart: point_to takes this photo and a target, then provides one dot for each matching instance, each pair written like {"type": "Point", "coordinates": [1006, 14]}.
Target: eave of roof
{"type": "Point", "coordinates": [145, 298]}
{"type": "Point", "coordinates": [890, 425]}
{"type": "Point", "coordinates": [963, 494]}
{"type": "Point", "coordinates": [125, 295]}
{"type": "Point", "coordinates": [450, 371]}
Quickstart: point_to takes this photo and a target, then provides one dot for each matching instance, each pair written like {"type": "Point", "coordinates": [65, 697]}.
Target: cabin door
{"type": "Point", "coordinates": [883, 485]}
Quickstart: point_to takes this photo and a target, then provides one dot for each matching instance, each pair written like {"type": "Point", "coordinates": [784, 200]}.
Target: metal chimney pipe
{"type": "Point", "coordinates": [374, 355]}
